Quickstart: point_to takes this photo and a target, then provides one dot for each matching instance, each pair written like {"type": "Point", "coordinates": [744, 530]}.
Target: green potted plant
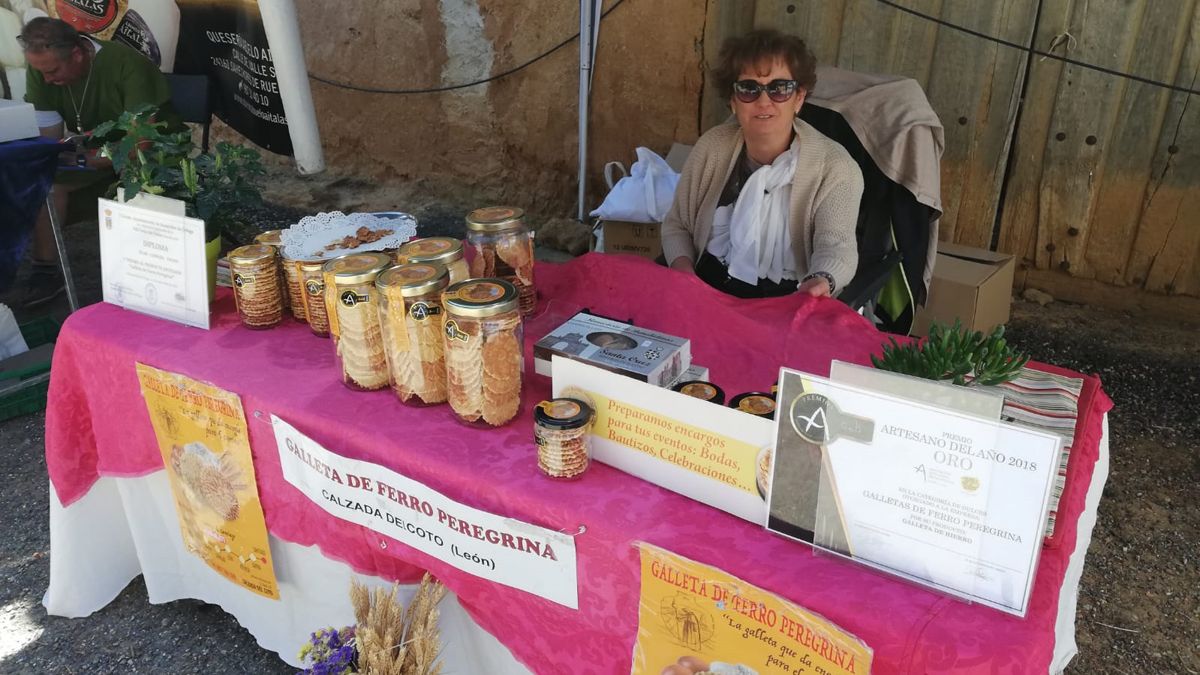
{"type": "Point", "coordinates": [213, 186]}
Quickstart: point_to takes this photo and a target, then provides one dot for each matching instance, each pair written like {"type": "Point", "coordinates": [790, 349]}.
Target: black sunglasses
{"type": "Point", "coordinates": [779, 91]}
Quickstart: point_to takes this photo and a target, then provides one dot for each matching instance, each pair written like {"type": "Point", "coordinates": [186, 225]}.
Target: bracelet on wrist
{"type": "Point", "coordinates": [823, 275]}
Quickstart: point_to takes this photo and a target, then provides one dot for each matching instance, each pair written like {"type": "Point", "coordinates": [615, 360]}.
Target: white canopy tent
{"type": "Point", "coordinates": [589, 35]}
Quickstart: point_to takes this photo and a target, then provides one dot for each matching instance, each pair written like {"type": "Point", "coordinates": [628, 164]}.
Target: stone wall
{"type": "Point", "coordinates": [514, 139]}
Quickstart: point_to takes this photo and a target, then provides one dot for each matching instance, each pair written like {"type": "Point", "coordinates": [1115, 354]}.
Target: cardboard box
{"type": "Point", "coordinates": [640, 353]}
{"type": "Point", "coordinates": [969, 284]}
{"type": "Point", "coordinates": [641, 239]}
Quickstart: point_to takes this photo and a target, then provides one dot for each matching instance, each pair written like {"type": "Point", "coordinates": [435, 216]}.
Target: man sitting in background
{"type": "Point", "coordinates": [75, 83]}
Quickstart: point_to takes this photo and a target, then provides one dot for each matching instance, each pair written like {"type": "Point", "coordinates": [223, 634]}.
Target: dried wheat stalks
{"type": "Point", "coordinates": [393, 640]}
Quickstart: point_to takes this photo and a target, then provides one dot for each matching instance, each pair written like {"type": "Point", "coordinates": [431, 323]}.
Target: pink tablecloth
{"type": "Point", "coordinates": [97, 425]}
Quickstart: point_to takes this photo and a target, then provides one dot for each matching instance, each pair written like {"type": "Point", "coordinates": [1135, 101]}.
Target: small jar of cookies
{"type": "Point", "coordinates": [410, 313]}
{"type": "Point", "coordinates": [503, 249]}
{"type": "Point", "coordinates": [483, 351]}
{"type": "Point", "coordinates": [255, 272]}
{"type": "Point", "coordinates": [352, 304]}
{"type": "Point", "coordinates": [445, 251]}
{"type": "Point", "coordinates": [561, 427]}
{"type": "Point", "coordinates": [312, 284]}
{"type": "Point", "coordinates": [757, 403]}
{"type": "Point", "coordinates": [295, 285]}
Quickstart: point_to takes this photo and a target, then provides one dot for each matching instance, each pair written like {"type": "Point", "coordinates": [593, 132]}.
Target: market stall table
{"type": "Point", "coordinates": [100, 444]}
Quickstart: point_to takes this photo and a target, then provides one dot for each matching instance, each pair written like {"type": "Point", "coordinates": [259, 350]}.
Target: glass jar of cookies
{"type": "Point", "coordinates": [255, 272]}
{"type": "Point", "coordinates": [294, 284]}
{"type": "Point", "coordinates": [483, 351]}
{"type": "Point", "coordinates": [445, 251]}
{"type": "Point", "coordinates": [503, 249]}
{"type": "Point", "coordinates": [312, 285]}
{"type": "Point", "coordinates": [410, 313]}
{"type": "Point", "coordinates": [561, 427]}
{"type": "Point", "coordinates": [352, 303]}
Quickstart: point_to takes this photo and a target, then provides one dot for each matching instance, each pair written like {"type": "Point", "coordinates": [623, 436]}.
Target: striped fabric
{"type": "Point", "coordinates": [1050, 403]}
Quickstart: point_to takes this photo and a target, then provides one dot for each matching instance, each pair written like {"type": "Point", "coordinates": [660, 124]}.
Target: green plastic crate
{"type": "Point", "coordinates": [30, 399]}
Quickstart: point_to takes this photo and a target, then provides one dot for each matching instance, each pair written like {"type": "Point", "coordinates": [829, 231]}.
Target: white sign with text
{"type": "Point", "coordinates": [506, 551]}
{"type": "Point", "coordinates": [708, 452]}
{"type": "Point", "coordinates": [153, 262]}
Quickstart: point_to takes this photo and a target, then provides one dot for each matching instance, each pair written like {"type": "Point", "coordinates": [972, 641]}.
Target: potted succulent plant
{"type": "Point", "coordinates": [214, 186]}
{"type": "Point", "coordinates": [954, 353]}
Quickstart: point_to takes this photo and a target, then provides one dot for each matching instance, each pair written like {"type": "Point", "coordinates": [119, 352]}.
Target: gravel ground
{"type": "Point", "coordinates": [1139, 610]}
{"type": "Point", "coordinates": [129, 635]}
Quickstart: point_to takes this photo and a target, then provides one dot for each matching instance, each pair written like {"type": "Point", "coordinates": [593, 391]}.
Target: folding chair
{"type": "Point", "coordinates": [191, 96]}
{"type": "Point", "coordinates": [896, 230]}
{"type": "Point", "coordinates": [61, 244]}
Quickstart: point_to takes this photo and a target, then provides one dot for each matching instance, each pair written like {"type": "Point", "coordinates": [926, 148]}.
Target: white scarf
{"type": "Point", "coordinates": [753, 237]}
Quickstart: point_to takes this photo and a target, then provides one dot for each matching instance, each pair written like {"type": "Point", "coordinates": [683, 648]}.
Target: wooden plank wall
{"type": "Point", "coordinates": [1105, 176]}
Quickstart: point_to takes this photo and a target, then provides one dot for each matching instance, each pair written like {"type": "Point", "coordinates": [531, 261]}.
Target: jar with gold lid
{"type": "Point", "coordinates": [255, 272]}
{"type": "Point", "coordinates": [483, 351]}
{"type": "Point", "coordinates": [270, 237]}
{"type": "Point", "coordinates": [275, 238]}
{"type": "Point", "coordinates": [757, 403]}
{"type": "Point", "coordinates": [445, 251]}
{"type": "Point", "coordinates": [352, 304]}
{"type": "Point", "coordinates": [410, 313]}
{"type": "Point", "coordinates": [293, 281]}
{"type": "Point", "coordinates": [560, 428]}
{"type": "Point", "coordinates": [503, 249]}
{"type": "Point", "coordinates": [312, 285]}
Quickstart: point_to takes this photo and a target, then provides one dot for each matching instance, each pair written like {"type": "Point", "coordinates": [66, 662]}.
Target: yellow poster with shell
{"type": "Point", "coordinates": [201, 432]}
{"type": "Point", "coordinates": [695, 619]}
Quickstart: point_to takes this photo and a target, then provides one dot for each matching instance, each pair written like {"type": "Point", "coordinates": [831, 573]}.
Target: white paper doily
{"type": "Point", "coordinates": [309, 238]}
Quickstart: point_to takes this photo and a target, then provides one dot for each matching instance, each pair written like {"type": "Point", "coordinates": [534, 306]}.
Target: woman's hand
{"type": "Point", "coordinates": [817, 287]}
{"type": "Point", "coordinates": [684, 264]}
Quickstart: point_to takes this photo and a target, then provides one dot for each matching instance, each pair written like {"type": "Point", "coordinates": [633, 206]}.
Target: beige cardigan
{"type": "Point", "coordinates": [826, 192]}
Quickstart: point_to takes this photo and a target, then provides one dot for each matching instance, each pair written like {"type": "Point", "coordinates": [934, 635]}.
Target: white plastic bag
{"type": "Point", "coordinates": [11, 340]}
{"type": "Point", "coordinates": [645, 195]}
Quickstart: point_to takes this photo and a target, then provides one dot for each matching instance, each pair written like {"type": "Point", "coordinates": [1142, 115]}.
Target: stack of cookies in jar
{"type": "Point", "coordinates": [429, 326]}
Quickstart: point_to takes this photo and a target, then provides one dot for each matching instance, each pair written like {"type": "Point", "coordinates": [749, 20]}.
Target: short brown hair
{"type": "Point", "coordinates": [763, 47]}
{"type": "Point", "coordinates": [43, 33]}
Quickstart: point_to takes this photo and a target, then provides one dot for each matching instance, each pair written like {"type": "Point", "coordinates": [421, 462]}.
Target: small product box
{"type": "Point", "coordinates": [640, 353]}
{"type": "Point", "coordinates": [694, 372]}
{"type": "Point", "coordinates": [17, 121]}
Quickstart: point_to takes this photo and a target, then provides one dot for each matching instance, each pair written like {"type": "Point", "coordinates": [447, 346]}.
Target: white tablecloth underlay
{"type": "Point", "coordinates": [127, 526]}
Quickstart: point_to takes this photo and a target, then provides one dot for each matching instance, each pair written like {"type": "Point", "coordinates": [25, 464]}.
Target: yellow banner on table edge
{"type": "Point", "coordinates": [693, 616]}
{"type": "Point", "coordinates": [205, 446]}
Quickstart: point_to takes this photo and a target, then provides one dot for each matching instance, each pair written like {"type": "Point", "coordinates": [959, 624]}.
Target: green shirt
{"type": "Point", "coordinates": [121, 79]}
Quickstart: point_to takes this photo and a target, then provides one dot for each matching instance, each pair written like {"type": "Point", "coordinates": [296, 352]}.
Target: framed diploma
{"type": "Point", "coordinates": [152, 261]}
{"type": "Point", "coordinates": [950, 500]}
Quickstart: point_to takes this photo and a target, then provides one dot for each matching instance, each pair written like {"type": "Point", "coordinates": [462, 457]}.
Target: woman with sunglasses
{"type": "Point", "coordinates": [766, 205]}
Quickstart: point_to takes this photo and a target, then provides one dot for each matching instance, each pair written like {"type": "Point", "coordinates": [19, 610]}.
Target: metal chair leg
{"type": "Point", "coordinates": [61, 244]}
